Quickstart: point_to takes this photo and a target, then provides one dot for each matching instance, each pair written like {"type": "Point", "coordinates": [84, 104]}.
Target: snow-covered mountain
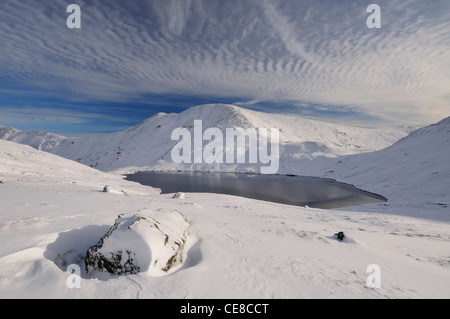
{"type": "Point", "coordinates": [410, 171]}
{"type": "Point", "coordinates": [148, 144]}
{"type": "Point", "coordinates": [38, 139]}
{"type": "Point", "coordinates": [413, 173]}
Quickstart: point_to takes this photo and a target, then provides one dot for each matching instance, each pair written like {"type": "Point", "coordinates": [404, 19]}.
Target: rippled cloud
{"type": "Point", "coordinates": [297, 52]}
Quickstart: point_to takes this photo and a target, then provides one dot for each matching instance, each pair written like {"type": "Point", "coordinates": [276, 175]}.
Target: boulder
{"type": "Point", "coordinates": [109, 189]}
{"type": "Point", "coordinates": [179, 195]}
{"type": "Point", "coordinates": [149, 242]}
{"type": "Point", "coordinates": [340, 235]}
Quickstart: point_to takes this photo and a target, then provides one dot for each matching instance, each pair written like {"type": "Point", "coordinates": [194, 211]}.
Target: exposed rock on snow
{"type": "Point", "coordinates": [340, 235]}
{"type": "Point", "coordinates": [140, 243]}
{"type": "Point", "coordinates": [180, 195]}
{"type": "Point", "coordinates": [110, 189]}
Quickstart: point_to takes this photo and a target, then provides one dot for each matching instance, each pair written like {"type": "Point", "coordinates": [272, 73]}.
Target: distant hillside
{"type": "Point", "coordinates": [37, 139]}
{"type": "Point", "coordinates": [415, 171]}
{"type": "Point", "coordinates": [148, 144]}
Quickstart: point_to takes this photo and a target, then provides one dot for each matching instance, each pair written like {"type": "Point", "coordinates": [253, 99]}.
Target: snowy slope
{"type": "Point", "coordinates": [38, 139]}
{"type": "Point", "coordinates": [53, 209]}
{"type": "Point", "coordinates": [44, 167]}
{"type": "Point", "coordinates": [148, 144]}
{"type": "Point", "coordinates": [414, 173]}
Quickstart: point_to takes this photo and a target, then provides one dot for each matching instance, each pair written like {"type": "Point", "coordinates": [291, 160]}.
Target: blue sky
{"type": "Point", "coordinates": [132, 59]}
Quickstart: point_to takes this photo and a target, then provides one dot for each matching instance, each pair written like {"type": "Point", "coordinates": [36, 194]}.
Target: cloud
{"type": "Point", "coordinates": [287, 32]}
{"type": "Point", "coordinates": [59, 120]}
{"type": "Point", "coordinates": [294, 51]}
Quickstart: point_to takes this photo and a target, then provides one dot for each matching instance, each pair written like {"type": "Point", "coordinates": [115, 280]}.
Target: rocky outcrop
{"type": "Point", "coordinates": [150, 242]}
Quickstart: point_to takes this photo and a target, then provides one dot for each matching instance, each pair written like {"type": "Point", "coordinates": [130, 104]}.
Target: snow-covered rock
{"type": "Point", "coordinates": [112, 189]}
{"type": "Point", "coordinates": [179, 195]}
{"type": "Point", "coordinates": [107, 189]}
{"type": "Point", "coordinates": [145, 242]}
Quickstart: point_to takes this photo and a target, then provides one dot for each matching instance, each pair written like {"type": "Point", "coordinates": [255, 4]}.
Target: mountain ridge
{"type": "Point", "coordinates": [148, 144]}
{"type": "Point", "coordinates": [414, 167]}
{"type": "Point", "coordinates": [40, 140]}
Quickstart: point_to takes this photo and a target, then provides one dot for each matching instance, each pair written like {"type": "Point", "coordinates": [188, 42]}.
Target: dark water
{"type": "Point", "coordinates": [285, 189]}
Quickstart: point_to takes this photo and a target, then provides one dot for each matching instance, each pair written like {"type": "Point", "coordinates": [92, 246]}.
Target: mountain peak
{"type": "Point", "coordinates": [216, 115]}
